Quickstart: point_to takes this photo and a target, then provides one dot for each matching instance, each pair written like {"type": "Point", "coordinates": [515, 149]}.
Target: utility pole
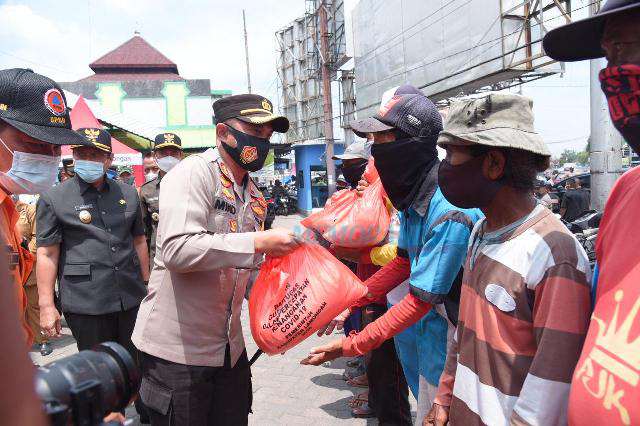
{"type": "Point", "coordinates": [326, 96]}
{"type": "Point", "coordinates": [246, 51]}
{"type": "Point", "coordinates": [605, 147]}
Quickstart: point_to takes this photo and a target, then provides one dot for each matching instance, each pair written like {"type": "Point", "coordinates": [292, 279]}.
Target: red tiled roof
{"type": "Point", "coordinates": [135, 53]}
{"type": "Point", "coordinates": [124, 76]}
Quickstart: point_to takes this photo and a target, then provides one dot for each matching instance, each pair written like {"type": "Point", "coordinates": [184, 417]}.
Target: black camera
{"type": "Point", "coordinates": [81, 389]}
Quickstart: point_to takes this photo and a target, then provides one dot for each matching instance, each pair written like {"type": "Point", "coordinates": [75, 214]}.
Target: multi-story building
{"type": "Point", "coordinates": [137, 80]}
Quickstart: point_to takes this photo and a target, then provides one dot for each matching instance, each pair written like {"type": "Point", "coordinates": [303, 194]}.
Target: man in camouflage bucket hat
{"type": "Point", "coordinates": [125, 175]}
{"type": "Point", "coordinates": [525, 301]}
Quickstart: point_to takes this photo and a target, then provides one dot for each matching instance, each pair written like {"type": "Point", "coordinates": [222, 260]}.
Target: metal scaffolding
{"type": "Point", "coordinates": [452, 48]}
{"type": "Point", "coordinates": [299, 65]}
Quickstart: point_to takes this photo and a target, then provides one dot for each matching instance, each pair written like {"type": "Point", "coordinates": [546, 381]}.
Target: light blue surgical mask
{"type": "Point", "coordinates": [89, 171]}
{"type": "Point", "coordinates": [29, 173]}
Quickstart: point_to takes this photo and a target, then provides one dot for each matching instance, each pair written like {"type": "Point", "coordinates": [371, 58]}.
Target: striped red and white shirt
{"type": "Point", "coordinates": [524, 312]}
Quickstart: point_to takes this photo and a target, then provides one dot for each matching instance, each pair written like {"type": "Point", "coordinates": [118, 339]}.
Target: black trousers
{"type": "Point", "coordinates": [89, 330]}
{"type": "Point", "coordinates": [388, 389]}
{"type": "Point", "coordinates": [188, 395]}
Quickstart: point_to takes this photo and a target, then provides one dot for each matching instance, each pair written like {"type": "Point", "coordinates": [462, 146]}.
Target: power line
{"type": "Point", "coordinates": [414, 25]}
{"type": "Point", "coordinates": [34, 62]}
{"type": "Point", "coordinates": [466, 50]}
{"type": "Point", "coordinates": [568, 140]}
{"type": "Point", "coordinates": [412, 35]}
{"type": "Point", "coordinates": [318, 122]}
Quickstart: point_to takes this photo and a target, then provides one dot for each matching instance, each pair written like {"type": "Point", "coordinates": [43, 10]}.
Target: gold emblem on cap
{"type": "Point", "coordinates": [266, 105]}
{"type": "Point", "coordinates": [92, 134]}
{"type": "Point", "coordinates": [122, 202]}
{"type": "Point", "coordinates": [155, 216]}
{"type": "Point", "coordinates": [3, 107]}
{"type": "Point", "coordinates": [168, 137]}
{"type": "Point", "coordinates": [233, 225]}
{"type": "Point", "coordinates": [84, 216]}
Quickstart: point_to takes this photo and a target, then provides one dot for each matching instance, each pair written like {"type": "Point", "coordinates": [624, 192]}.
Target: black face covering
{"type": "Point", "coordinates": [251, 151]}
{"type": "Point", "coordinates": [353, 173]}
{"type": "Point", "coordinates": [465, 186]}
{"type": "Point", "coordinates": [402, 166]}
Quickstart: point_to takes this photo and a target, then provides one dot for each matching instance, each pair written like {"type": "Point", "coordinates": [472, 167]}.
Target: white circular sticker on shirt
{"type": "Point", "coordinates": [500, 297]}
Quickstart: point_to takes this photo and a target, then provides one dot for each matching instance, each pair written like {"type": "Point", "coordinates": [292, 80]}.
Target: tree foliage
{"type": "Point", "coordinates": [573, 156]}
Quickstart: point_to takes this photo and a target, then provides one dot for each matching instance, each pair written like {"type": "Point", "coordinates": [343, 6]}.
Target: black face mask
{"type": "Point", "coordinates": [465, 186]}
{"type": "Point", "coordinates": [250, 152]}
{"type": "Point", "coordinates": [402, 166]}
{"type": "Point", "coordinates": [353, 173]}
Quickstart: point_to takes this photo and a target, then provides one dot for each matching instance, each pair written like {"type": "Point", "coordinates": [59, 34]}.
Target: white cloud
{"type": "Point", "coordinates": [21, 21]}
{"type": "Point", "coordinates": [41, 43]}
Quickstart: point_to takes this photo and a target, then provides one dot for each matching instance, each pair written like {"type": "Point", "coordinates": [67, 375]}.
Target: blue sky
{"type": "Point", "coordinates": [205, 39]}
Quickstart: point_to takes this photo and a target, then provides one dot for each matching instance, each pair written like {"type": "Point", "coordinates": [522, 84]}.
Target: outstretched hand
{"type": "Point", "coordinates": [437, 416]}
{"type": "Point", "coordinates": [324, 353]}
{"type": "Point", "coordinates": [336, 323]}
{"type": "Point", "coordinates": [362, 185]}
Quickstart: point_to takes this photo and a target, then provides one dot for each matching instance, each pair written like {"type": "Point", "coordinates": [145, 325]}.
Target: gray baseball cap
{"type": "Point", "coordinates": [405, 89]}
{"type": "Point", "coordinates": [414, 114]}
{"type": "Point", "coordinates": [496, 120]}
{"type": "Point", "coordinates": [356, 150]}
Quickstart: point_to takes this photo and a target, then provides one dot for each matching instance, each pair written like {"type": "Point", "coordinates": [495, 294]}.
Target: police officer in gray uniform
{"type": "Point", "coordinates": [91, 239]}
{"type": "Point", "coordinates": [194, 363]}
{"type": "Point", "coordinates": [167, 153]}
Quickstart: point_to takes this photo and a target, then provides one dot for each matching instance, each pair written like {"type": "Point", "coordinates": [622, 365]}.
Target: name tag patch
{"type": "Point", "coordinates": [224, 206]}
{"type": "Point", "coordinates": [83, 207]}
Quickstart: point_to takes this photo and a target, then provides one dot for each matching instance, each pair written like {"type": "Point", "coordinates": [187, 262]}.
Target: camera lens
{"type": "Point", "coordinates": [89, 384]}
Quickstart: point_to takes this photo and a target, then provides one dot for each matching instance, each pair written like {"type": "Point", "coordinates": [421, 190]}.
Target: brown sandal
{"type": "Point", "coordinates": [359, 382]}
{"type": "Point", "coordinates": [359, 400]}
{"type": "Point", "coordinates": [363, 412]}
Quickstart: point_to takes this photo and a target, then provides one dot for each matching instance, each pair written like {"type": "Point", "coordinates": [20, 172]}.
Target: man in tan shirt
{"type": "Point", "coordinates": [27, 228]}
{"type": "Point", "coordinates": [209, 239]}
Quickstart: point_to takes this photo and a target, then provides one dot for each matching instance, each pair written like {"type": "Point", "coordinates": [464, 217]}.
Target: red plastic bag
{"type": "Point", "coordinates": [297, 294]}
{"type": "Point", "coordinates": [351, 221]}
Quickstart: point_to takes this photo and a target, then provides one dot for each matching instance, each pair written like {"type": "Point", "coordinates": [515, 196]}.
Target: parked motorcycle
{"type": "Point", "coordinates": [585, 228]}
{"type": "Point", "coordinates": [282, 205]}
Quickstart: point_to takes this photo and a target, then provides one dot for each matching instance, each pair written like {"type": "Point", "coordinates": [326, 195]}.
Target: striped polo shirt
{"type": "Point", "coordinates": [524, 312]}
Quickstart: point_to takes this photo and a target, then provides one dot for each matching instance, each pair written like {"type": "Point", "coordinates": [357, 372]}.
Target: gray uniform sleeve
{"type": "Point", "coordinates": [186, 203]}
{"type": "Point", "coordinates": [49, 232]}
{"type": "Point", "coordinates": [146, 220]}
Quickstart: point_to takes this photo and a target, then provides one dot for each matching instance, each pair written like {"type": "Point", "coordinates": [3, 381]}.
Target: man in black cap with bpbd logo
{"type": "Point", "coordinates": [91, 239]}
{"type": "Point", "coordinates": [167, 153]}
{"type": "Point", "coordinates": [34, 122]}
{"type": "Point", "coordinates": [194, 363]}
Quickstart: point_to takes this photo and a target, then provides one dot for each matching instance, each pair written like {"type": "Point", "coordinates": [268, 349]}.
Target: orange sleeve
{"type": "Point", "coordinates": [386, 279]}
{"type": "Point", "coordinates": [399, 317]}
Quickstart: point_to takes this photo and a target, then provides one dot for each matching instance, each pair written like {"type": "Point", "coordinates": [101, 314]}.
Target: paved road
{"type": "Point", "coordinates": [284, 392]}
